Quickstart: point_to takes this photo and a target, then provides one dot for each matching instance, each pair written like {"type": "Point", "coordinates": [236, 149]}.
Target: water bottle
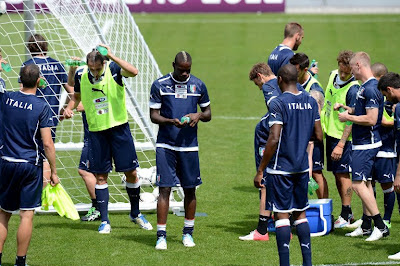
{"type": "Point", "coordinates": [72, 62]}
{"type": "Point", "coordinates": [341, 109]}
{"type": "Point", "coordinates": [312, 186]}
{"type": "Point", "coordinates": [102, 50]}
{"type": "Point", "coordinates": [42, 83]}
{"type": "Point", "coordinates": [314, 64]}
{"type": "Point", "coordinates": [185, 118]}
{"type": "Point", "coordinates": [6, 67]}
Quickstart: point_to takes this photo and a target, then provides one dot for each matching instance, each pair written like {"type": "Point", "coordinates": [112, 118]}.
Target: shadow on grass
{"type": "Point", "coordinates": [145, 239]}
{"type": "Point", "coordinates": [241, 227]}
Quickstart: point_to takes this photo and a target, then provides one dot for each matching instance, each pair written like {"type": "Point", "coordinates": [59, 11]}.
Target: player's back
{"type": "Point", "coordinates": [23, 116]}
{"type": "Point", "coordinates": [279, 57]}
{"type": "Point", "coordinates": [297, 114]}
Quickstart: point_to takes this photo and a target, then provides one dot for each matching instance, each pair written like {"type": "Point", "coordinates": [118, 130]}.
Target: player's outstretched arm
{"type": "Point", "coordinates": [73, 103]}
{"type": "Point", "coordinates": [368, 119]}
{"type": "Point", "coordinates": [270, 148]}
{"type": "Point", "coordinates": [128, 70]}
{"type": "Point", "coordinates": [50, 152]}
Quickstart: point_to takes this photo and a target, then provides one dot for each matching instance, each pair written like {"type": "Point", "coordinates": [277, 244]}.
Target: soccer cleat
{"type": "Point", "coordinates": [104, 228]}
{"type": "Point", "coordinates": [356, 224]}
{"type": "Point", "coordinates": [255, 236]}
{"type": "Point", "coordinates": [161, 243]}
{"type": "Point", "coordinates": [142, 222]}
{"type": "Point", "coordinates": [341, 223]}
{"type": "Point", "coordinates": [387, 223]}
{"type": "Point", "coordinates": [187, 240]}
{"type": "Point", "coordinates": [92, 215]}
{"type": "Point", "coordinates": [394, 256]}
{"type": "Point", "coordinates": [378, 234]}
{"type": "Point", "coordinates": [359, 232]}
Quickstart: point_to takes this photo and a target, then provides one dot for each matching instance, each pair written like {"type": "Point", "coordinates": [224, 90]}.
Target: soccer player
{"type": "Point", "coordinates": [342, 88]}
{"type": "Point", "coordinates": [310, 84]}
{"type": "Point", "coordinates": [379, 70]}
{"type": "Point", "coordinates": [294, 118]}
{"type": "Point", "coordinates": [26, 123]}
{"type": "Point", "coordinates": [366, 117]}
{"type": "Point", "coordinates": [56, 77]}
{"type": "Point", "coordinates": [263, 78]}
{"type": "Point", "coordinates": [389, 85]}
{"type": "Point", "coordinates": [172, 97]}
{"type": "Point", "coordinates": [100, 87]}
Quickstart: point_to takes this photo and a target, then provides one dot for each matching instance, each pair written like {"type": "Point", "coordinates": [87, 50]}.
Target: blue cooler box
{"type": "Point", "coordinates": [319, 216]}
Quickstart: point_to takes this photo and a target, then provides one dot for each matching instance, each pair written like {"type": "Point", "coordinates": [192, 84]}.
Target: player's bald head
{"type": "Point", "coordinates": [94, 57]}
{"type": "Point", "coordinates": [379, 69]}
{"type": "Point", "coordinates": [183, 57]}
{"type": "Point", "coordinates": [288, 74]}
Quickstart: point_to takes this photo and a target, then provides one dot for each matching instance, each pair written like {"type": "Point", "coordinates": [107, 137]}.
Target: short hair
{"type": "Point", "coordinates": [344, 57]}
{"type": "Point", "coordinates": [390, 79]}
{"type": "Point", "coordinates": [183, 57]}
{"type": "Point", "coordinates": [361, 57]}
{"type": "Point", "coordinates": [300, 59]}
{"type": "Point", "coordinates": [261, 68]}
{"type": "Point", "coordinates": [379, 69]}
{"type": "Point", "coordinates": [291, 29]}
{"type": "Point", "coordinates": [95, 56]}
{"type": "Point", "coordinates": [288, 73]}
{"type": "Point", "coordinates": [29, 75]}
{"type": "Point", "coordinates": [37, 44]}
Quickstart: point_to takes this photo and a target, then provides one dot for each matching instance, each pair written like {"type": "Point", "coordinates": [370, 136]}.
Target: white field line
{"type": "Point", "coordinates": [236, 117]}
{"type": "Point", "coordinates": [363, 263]}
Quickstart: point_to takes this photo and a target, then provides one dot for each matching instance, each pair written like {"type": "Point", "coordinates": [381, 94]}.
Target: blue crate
{"type": "Point", "coordinates": [319, 216]}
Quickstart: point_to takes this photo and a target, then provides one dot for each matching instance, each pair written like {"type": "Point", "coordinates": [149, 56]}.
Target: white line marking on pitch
{"type": "Point", "coordinates": [364, 263]}
{"type": "Point", "coordinates": [237, 117]}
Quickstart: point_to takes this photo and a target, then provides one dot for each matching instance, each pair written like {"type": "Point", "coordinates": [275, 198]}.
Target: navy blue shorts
{"type": "Point", "coordinates": [384, 170]}
{"type": "Point", "coordinates": [318, 156]}
{"type": "Point", "coordinates": [177, 167]}
{"type": "Point", "coordinates": [111, 144]}
{"type": "Point", "coordinates": [362, 164]}
{"type": "Point", "coordinates": [258, 154]}
{"type": "Point", "coordinates": [84, 161]}
{"type": "Point", "coordinates": [289, 192]}
{"type": "Point", "coordinates": [20, 186]}
{"type": "Point", "coordinates": [344, 164]}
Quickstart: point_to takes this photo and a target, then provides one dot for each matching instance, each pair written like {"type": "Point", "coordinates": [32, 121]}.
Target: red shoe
{"type": "Point", "coordinates": [255, 236]}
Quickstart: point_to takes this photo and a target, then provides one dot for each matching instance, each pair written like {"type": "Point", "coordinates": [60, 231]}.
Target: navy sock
{"type": "Point", "coordinates": [134, 197]}
{"type": "Point", "coordinates": [283, 240]}
{"type": "Point", "coordinates": [1, 254]}
{"type": "Point", "coordinates": [346, 211]}
{"type": "Point", "coordinates": [378, 221]}
{"type": "Point", "coordinates": [262, 226]}
{"type": "Point", "coordinates": [94, 203]}
{"type": "Point", "coordinates": [303, 232]}
{"type": "Point", "coordinates": [102, 197]}
{"type": "Point", "coordinates": [161, 233]}
{"type": "Point", "coordinates": [367, 222]}
{"type": "Point", "coordinates": [388, 202]}
{"type": "Point", "coordinates": [20, 261]}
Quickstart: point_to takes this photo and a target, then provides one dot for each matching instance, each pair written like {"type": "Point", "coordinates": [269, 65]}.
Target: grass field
{"type": "Point", "coordinates": [223, 48]}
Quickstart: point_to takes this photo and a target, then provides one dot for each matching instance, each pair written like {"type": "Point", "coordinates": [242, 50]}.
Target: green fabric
{"type": "Point", "coordinates": [329, 117]}
{"type": "Point", "coordinates": [104, 102]}
{"type": "Point", "coordinates": [311, 82]}
{"type": "Point", "coordinates": [60, 200]}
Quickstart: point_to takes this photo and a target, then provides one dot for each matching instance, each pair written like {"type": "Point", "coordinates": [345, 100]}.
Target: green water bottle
{"type": "Point", "coordinates": [314, 64]}
{"type": "Point", "coordinates": [312, 186]}
{"type": "Point", "coordinates": [185, 118]}
{"type": "Point", "coordinates": [102, 50]}
{"type": "Point", "coordinates": [6, 67]}
{"type": "Point", "coordinates": [341, 109]}
{"type": "Point", "coordinates": [72, 62]}
{"type": "Point", "coordinates": [42, 83]}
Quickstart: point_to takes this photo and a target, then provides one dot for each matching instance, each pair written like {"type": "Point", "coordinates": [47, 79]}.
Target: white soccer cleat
{"type": "Point", "coordinates": [187, 240]}
{"type": "Point", "coordinates": [359, 232]}
{"type": "Point", "coordinates": [394, 256]}
{"type": "Point", "coordinates": [142, 222]}
{"type": "Point", "coordinates": [356, 224]}
{"type": "Point", "coordinates": [341, 223]}
{"type": "Point", "coordinates": [104, 228]}
{"type": "Point", "coordinates": [161, 243]}
{"type": "Point", "coordinates": [255, 236]}
{"type": "Point", "coordinates": [378, 234]}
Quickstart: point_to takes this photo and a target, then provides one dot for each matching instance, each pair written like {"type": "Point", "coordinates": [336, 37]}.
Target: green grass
{"type": "Point", "coordinates": [223, 48]}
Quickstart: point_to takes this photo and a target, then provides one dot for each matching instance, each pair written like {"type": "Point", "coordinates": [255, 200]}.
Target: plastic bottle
{"type": "Point", "coordinates": [312, 186]}
{"type": "Point", "coordinates": [314, 64]}
{"type": "Point", "coordinates": [6, 67]}
{"type": "Point", "coordinates": [341, 109]}
{"type": "Point", "coordinates": [102, 50]}
{"type": "Point", "coordinates": [42, 83]}
{"type": "Point", "coordinates": [185, 118]}
{"type": "Point", "coordinates": [72, 62]}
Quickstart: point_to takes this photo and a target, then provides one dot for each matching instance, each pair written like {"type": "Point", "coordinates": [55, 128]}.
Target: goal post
{"type": "Point", "coordinates": [74, 28]}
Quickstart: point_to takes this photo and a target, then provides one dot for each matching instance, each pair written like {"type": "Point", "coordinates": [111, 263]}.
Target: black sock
{"type": "Point", "coordinates": [20, 261]}
{"type": "Point", "coordinates": [346, 211]}
{"type": "Point", "coordinates": [94, 203]}
{"type": "Point", "coordinates": [1, 254]}
{"type": "Point", "coordinates": [367, 222]}
{"type": "Point", "coordinates": [262, 226]}
{"type": "Point", "coordinates": [161, 233]}
{"type": "Point", "coordinates": [378, 221]}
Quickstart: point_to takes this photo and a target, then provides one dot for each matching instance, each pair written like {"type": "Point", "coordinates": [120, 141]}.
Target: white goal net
{"type": "Point", "coordinates": [74, 28]}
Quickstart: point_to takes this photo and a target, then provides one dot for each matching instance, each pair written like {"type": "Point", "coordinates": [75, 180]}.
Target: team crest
{"type": "Point", "coordinates": [192, 88]}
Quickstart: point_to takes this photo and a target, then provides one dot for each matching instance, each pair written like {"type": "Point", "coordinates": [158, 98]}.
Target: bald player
{"type": "Point", "coordinates": [172, 97]}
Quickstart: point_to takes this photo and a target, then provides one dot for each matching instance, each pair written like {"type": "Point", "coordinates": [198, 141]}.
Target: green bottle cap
{"type": "Point", "coordinates": [185, 118]}
{"type": "Point", "coordinates": [6, 67]}
{"type": "Point", "coordinates": [102, 50]}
